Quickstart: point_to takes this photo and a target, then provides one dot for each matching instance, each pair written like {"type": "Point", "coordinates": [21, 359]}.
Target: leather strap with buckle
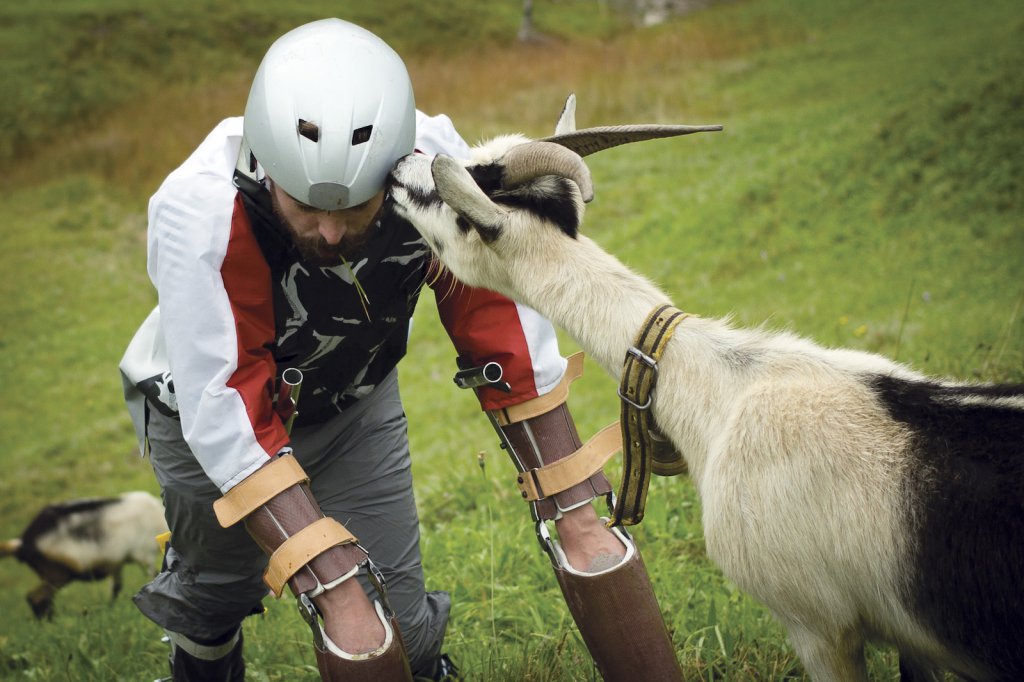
{"type": "Point", "coordinates": [639, 376]}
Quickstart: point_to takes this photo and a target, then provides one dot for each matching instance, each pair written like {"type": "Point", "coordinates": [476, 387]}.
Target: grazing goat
{"type": "Point", "coordinates": [87, 539]}
{"type": "Point", "coordinates": [856, 498]}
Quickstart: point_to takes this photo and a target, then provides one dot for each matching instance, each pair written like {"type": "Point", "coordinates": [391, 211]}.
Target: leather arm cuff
{"type": "Point", "coordinates": [305, 548]}
{"type": "Point", "coordinates": [546, 439]}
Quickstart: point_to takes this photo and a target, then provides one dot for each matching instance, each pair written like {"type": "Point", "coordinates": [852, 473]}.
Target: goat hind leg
{"type": "Point", "coordinates": [835, 659]}
{"type": "Point", "coordinates": [914, 670]}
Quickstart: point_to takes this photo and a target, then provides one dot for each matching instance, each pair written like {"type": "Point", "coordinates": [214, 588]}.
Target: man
{"type": "Point", "coordinates": [273, 249]}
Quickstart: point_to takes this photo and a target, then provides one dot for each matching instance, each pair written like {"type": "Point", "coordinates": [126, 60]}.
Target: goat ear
{"type": "Point", "coordinates": [567, 119]}
{"type": "Point", "coordinates": [456, 188]}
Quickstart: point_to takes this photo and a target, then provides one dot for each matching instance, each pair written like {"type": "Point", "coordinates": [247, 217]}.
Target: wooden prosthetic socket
{"type": "Point", "coordinates": [615, 609]}
{"type": "Point", "coordinates": [387, 664]}
{"type": "Point", "coordinates": [619, 618]}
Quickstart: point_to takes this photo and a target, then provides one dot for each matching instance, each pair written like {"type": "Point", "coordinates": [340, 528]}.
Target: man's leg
{"type": "Point", "coordinates": [360, 474]}
{"type": "Point", "coordinates": [211, 577]}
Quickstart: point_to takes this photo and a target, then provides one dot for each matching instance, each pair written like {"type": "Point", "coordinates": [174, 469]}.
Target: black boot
{"type": "Point", "coordinates": [444, 671]}
{"type": "Point", "coordinates": [218, 660]}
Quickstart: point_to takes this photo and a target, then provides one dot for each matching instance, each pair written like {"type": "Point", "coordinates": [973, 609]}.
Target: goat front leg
{"type": "Point", "coordinates": [117, 581]}
{"type": "Point", "coordinates": [40, 599]}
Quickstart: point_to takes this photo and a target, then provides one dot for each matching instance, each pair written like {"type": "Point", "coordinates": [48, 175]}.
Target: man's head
{"type": "Point", "coordinates": [330, 111]}
{"type": "Point", "coordinates": [325, 237]}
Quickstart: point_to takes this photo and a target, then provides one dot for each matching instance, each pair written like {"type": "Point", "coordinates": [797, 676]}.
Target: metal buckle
{"type": "Point", "coordinates": [645, 406]}
{"type": "Point", "coordinates": [312, 618]}
{"type": "Point", "coordinates": [652, 364]}
{"type": "Point", "coordinates": [643, 357]}
{"type": "Point", "coordinates": [378, 582]}
{"type": "Point", "coordinates": [546, 543]}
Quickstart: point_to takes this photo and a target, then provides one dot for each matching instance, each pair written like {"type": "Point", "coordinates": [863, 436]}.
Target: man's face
{"type": "Point", "coordinates": [325, 238]}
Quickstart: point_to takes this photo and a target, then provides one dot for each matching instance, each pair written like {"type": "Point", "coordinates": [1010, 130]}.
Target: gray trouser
{"type": "Point", "coordinates": [359, 470]}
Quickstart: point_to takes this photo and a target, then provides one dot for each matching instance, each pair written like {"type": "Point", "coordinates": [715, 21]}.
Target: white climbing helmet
{"type": "Point", "coordinates": [330, 111]}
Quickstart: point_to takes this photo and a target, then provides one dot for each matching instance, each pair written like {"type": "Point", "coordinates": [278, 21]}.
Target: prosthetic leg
{"type": "Point", "coordinates": [615, 607]}
{"type": "Point", "coordinates": [312, 554]}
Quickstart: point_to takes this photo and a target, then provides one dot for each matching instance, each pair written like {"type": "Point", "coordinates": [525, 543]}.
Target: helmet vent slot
{"type": "Point", "coordinates": [361, 135]}
{"type": "Point", "coordinates": [309, 130]}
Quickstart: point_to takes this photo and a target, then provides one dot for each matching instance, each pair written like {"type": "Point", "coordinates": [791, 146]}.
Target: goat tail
{"type": "Point", "coordinates": [9, 547]}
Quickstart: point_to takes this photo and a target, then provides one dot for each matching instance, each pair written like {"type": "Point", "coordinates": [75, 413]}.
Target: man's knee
{"type": "Point", "coordinates": [198, 602]}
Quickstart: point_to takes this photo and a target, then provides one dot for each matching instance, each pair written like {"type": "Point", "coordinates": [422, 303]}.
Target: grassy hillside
{"type": "Point", "coordinates": [866, 193]}
{"type": "Point", "coordinates": [71, 64]}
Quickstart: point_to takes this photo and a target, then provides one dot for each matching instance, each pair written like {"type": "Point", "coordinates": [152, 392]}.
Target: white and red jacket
{"type": "Point", "coordinates": [237, 306]}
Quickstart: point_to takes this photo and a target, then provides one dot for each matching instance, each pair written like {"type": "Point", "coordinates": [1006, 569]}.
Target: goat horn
{"type": "Point", "coordinates": [590, 140]}
{"type": "Point", "coordinates": [534, 159]}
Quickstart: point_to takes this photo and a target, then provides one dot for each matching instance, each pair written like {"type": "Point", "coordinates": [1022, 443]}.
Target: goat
{"type": "Point", "coordinates": [855, 497]}
{"type": "Point", "coordinates": [87, 539]}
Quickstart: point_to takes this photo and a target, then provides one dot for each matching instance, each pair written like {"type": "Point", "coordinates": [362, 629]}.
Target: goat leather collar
{"type": "Point", "coordinates": [642, 451]}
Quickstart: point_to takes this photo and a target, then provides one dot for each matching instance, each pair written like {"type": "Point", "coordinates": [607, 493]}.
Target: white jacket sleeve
{"type": "Point", "coordinates": [437, 135]}
{"type": "Point", "coordinates": [219, 382]}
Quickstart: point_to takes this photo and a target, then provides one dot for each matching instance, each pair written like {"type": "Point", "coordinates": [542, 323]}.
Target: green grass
{"type": "Point", "coordinates": [865, 193]}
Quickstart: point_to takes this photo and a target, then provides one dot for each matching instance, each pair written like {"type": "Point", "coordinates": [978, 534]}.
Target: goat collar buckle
{"type": "Point", "coordinates": [643, 357]}
{"type": "Point", "coordinates": [651, 364]}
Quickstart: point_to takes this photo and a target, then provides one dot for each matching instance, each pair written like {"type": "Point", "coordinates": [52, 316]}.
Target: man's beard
{"type": "Point", "coordinates": [316, 251]}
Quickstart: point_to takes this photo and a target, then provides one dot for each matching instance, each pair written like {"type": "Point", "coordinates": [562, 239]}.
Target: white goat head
{"type": "Point", "coordinates": [471, 216]}
{"type": "Point", "coordinates": [509, 184]}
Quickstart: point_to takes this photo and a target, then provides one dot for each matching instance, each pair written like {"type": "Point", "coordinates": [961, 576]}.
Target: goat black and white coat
{"type": "Point", "coordinates": [856, 498]}
{"type": "Point", "coordinates": [87, 539]}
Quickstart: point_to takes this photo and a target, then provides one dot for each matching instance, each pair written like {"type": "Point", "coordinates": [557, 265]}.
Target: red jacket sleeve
{"type": "Point", "coordinates": [487, 327]}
